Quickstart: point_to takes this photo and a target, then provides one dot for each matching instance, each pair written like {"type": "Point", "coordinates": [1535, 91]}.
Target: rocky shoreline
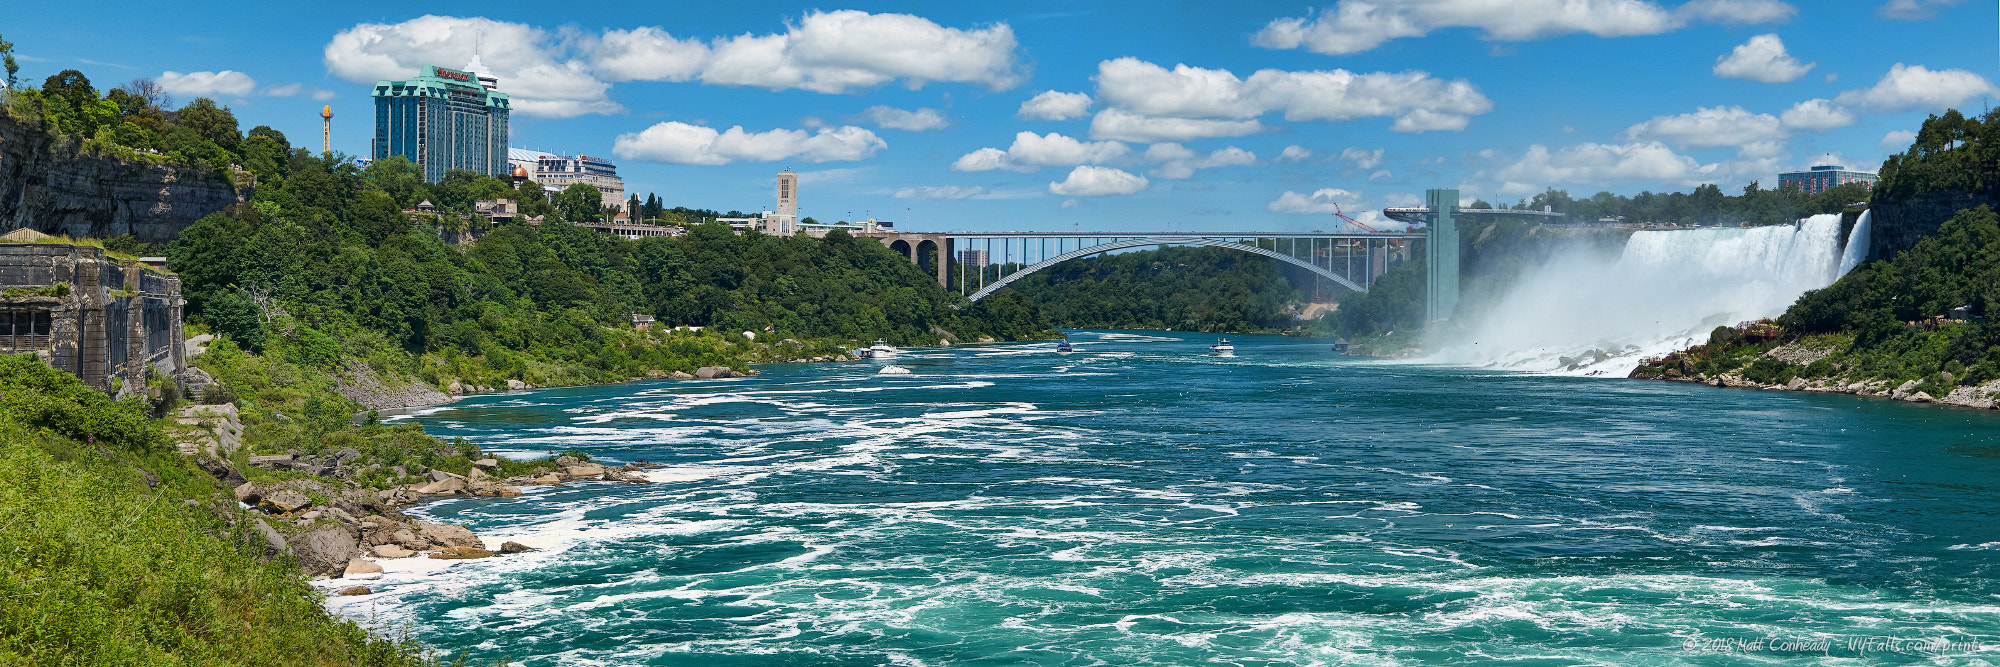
{"type": "Point", "coordinates": [336, 528]}
{"type": "Point", "coordinates": [1982, 396]}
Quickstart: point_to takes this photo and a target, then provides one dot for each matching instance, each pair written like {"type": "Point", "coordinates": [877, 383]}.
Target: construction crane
{"type": "Point", "coordinates": [1357, 223]}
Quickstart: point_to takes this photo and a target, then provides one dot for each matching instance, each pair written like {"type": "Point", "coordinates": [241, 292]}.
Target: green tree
{"type": "Point", "coordinates": [580, 202]}
{"type": "Point", "coordinates": [7, 58]}
{"type": "Point", "coordinates": [210, 123]}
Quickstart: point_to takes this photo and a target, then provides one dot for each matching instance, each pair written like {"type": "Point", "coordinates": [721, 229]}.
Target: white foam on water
{"type": "Point", "coordinates": [1665, 291]}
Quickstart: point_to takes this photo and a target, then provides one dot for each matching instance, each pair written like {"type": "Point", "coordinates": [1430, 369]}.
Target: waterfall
{"type": "Point", "coordinates": [1857, 245]}
{"type": "Point", "coordinates": [1666, 290]}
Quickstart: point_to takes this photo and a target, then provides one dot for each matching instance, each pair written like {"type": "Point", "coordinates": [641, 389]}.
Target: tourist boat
{"type": "Point", "coordinates": [1063, 347]}
{"type": "Point", "coordinates": [1223, 348]}
{"type": "Point", "coordinates": [882, 350]}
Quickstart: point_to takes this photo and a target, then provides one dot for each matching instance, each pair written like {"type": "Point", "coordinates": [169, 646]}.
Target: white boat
{"type": "Point", "coordinates": [893, 370]}
{"type": "Point", "coordinates": [882, 350]}
{"type": "Point", "coordinates": [1223, 348]}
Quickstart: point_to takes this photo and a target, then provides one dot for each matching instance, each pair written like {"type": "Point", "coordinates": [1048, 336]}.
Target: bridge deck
{"type": "Point", "coordinates": [1181, 235]}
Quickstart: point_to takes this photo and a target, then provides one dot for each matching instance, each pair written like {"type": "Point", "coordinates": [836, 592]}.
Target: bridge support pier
{"type": "Point", "coordinates": [912, 247]}
{"type": "Point", "coordinates": [1440, 256]}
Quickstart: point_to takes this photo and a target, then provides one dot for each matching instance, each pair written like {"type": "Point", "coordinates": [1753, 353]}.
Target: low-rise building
{"type": "Point", "coordinates": [1820, 178]}
{"type": "Point", "coordinates": [557, 172]}
{"type": "Point", "coordinates": [498, 210]}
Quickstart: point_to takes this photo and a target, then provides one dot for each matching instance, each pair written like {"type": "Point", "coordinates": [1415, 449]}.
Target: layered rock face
{"type": "Point", "coordinates": [53, 190]}
{"type": "Point", "coordinates": [1896, 224]}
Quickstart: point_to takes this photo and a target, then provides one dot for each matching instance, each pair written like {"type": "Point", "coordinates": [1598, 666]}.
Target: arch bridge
{"type": "Point", "coordinates": [978, 264]}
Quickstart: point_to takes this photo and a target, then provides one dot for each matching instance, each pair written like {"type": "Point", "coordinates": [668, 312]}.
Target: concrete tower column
{"type": "Point", "coordinates": [1441, 255]}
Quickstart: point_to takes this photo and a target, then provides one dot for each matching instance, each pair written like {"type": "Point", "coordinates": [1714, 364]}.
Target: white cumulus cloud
{"type": "Point", "coordinates": [1178, 162]}
{"type": "Point", "coordinates": [1916, 88]}
{"type": "Point", "coordinates": [1032, 151]}
{"type": "Point", "coordinates": [1295, 154]}
{"type": "Point", "coordinates": [1418, 101]}
{"type": "Point", "coordinates": [1598, 164]}
{"type": "Point", "coordinates": [910, 121]}
{"type": "Point", "coordinates": [201, 84]}
{"type": "Point", "coordinates": [1353, 26]}
{"type": "Point", "coordinates": [1321, 202]}
{"type": "Point", "coordinates": [940, 192]}
{"type": "Point", "coordinates": [1710, 126]}
{"type": "Point", "coordinates": [1913, 10]}
{"type": "Point", "coordinates": [647, 54]}
{"type": "Point", "coordinates": [681, 143]}
{"type": "Point", "coordinates": [1054, 105]}
{"type": "Point", "coordinates": [1089, 181]}
{"type": "Point", "coordinates": [1897, 140]}
{"type": "Point", "coordinates": [1120, 125]}
{"type": "Point", "coordinates": [1362, 158]}
{"type": "Point", "coordinates": [567, 72]}
{"type": "Point", "coordinates": [1763, 59]}
{"type": "Point", "coordinates": [536, 69]}
{"type": "Point", "coordinates": [1816, 115]}
{"type": "Point", "coordinates": [839, 51]}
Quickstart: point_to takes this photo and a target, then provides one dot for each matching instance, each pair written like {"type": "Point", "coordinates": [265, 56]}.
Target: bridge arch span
{"type": "Point", "coordinates": [1142, 242]}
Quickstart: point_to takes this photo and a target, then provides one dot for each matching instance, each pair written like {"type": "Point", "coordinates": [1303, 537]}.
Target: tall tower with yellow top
{"type": "Point", "coordinates": [326, 129]}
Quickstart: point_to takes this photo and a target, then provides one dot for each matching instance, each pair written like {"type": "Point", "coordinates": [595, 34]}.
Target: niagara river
{"type": "Point", "coordinates": [1141, 502]}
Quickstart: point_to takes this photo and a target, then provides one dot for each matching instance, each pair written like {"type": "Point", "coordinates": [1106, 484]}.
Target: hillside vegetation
{"type": "Point", "coordinates": [115, 550]}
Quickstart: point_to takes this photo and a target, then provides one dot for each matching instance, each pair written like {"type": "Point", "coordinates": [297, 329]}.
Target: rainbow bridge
{"type": "Point", "coordinates": [977, 264]}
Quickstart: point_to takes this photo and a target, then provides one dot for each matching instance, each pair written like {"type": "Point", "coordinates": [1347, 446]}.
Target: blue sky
{"type": "Point", "coordinates": [1164, 115]}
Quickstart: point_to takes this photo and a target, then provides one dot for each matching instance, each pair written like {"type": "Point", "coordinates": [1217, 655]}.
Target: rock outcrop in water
{"type": "Point", "coordinates": [50, 187]}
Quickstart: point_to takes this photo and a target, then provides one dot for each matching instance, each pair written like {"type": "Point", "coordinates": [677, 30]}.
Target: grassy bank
{"type": "Point", "coordinates": [116, 550]}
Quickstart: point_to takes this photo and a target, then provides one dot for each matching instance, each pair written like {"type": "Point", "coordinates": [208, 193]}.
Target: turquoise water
{"type": "Point", "coordinates": [1141, 503]}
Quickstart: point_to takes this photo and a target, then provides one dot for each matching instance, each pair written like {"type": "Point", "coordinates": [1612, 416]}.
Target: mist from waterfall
{"type": "Point", "coordinates": [1593, 315]}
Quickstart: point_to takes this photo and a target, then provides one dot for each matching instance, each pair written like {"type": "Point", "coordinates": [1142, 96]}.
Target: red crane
{"type": "Point", "coordinates": [1357, 223]}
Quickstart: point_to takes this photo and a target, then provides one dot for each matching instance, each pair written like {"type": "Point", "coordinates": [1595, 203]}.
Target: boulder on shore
{"type": "Point", "coordinates": [285, 501]}
{"type": "Point", "coordinates": [442, 488]}
{"type": "Point", "coordinates": [355, 590]}
{"type": "Point", "coordinates": [462, 553]}
{"type": "Point", "coordinates": [274, 543]}
{"type": "Point", "coordinates": [584, 470]}
{"type": "Point", "coordinates": [326, 551]}
{"type": "Point", "coordinates": [392, 551]}
{"type": "Point", "coordinates": [449, 535]}
{"type": "Point", "coordinates": [361, 569]}
{"type": "Point", "coordinates": [513, 547]}
{"type": "Point", "coordinates": [679, 375]}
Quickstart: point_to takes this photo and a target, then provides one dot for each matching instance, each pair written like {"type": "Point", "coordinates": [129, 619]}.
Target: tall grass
{"type": "Point", "coordinates": [116, 551]}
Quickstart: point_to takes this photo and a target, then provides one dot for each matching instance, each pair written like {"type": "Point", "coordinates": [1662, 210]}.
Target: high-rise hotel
{"type": "Point", "coordinates": [443, 119]}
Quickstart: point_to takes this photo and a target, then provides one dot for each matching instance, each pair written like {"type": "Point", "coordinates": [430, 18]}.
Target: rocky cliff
{"type": "Point", "coordinates": [1895, 224]}
{"type": "Point", "coordinates": [51, 188]}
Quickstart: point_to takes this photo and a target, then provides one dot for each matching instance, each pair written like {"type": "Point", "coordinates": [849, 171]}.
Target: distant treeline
{"type": "Point", "coordinates": [1706, 205]}
{"type": "Point", "coordinates": [1180, 288]}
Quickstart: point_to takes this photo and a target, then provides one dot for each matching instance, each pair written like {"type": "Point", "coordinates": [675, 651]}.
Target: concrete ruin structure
{"type": "Point", "coordinates": [114, 323]}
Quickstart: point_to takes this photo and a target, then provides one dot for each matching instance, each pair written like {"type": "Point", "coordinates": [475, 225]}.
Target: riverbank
{"type": "Point", "coordinates": [1739, 357]}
